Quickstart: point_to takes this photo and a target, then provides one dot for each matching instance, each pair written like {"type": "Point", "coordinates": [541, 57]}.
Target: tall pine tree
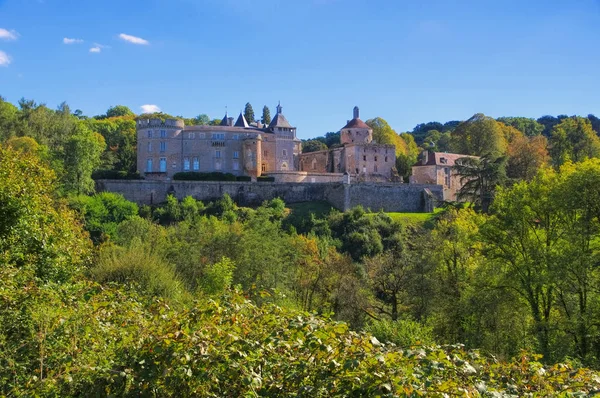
{"type": "Point", "coordinates": [249, 113]}
{"type": "Point", "coordinates": [266, 116]}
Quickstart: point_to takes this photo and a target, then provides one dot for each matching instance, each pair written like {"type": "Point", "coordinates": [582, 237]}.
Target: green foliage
{"type": "Point", "coordinates": [115, 175]}
{"type": "Point", "coordinates": [102, 213]}
{"type": "Point", "coordinates": [139, 265]}
{"type": "Point", "coordinates": [243, 178]}
{"type": "Point", "coordinates": [529, 127]}
{"type": "Point", "coordinates": [384, 134]}
{"type": "Point", "coordinates": [216, 278]}
{"type": "Point", "coordinates": [266, 116]}
{"type": "Point", "coordinates": [403, 332]}
{"type": "Point", "coordinates": [480, 135]}
{"type": "Point", "coordinates": [573, 139]}
{"type": "Point", "coordinates": [197, 176]}
{"type": "Point", "coordinates": [479, 178]}
{"type": "Point", "coordinates": [313, 146]}
{"type": "Point", "coordinates": [249, 113]}
{"type": "Point", "coordinates": [82, 156]}
{"type": "Point", "coordinates": [265, 179]}
{"type": "Point", "coordinates": [119, 111]}
{"type": "Point", "coordinates": [37, 231]}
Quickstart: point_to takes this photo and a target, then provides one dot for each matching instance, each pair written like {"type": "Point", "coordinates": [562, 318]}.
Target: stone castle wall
{"type": "Point", "coordinates": [375, 196]}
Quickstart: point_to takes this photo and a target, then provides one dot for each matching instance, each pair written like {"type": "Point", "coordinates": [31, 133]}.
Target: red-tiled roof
{"type": "Point", "coordinates": [356, 123]}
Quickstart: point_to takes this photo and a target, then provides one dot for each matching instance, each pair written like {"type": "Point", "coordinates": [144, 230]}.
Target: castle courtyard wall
{"type": "Point", "coordinates": [374, 196]}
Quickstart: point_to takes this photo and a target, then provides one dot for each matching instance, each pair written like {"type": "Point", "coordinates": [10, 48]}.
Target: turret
{"type": "Point", "coordinates": [356, 131]}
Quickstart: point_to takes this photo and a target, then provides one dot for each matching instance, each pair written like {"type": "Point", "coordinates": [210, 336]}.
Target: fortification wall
{"type": "Point", "coordinates": [375, 196]}
{"type": "Point", "coordinates": [304, 176]}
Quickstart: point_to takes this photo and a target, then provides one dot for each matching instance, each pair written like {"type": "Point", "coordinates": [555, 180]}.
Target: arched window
{"type": "Point", "coordinates": [314, 164]}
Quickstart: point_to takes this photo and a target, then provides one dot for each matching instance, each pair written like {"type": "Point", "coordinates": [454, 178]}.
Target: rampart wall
{"type": "Point", "coordinates": [375, 196]}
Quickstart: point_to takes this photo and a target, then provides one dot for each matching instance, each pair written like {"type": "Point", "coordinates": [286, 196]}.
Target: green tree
{"type": "Point", "coordinates": [313, 146]}
{"type": "Point", "coordinates": [383, 133]}
{"type": "Point", "coordinates": [82, 157]}
{"type": "Point", "coordinates": [266, 116]}
{"type": "Point", "coordinates": [8, 120]}
{"type": "Point", "coordinates": [573, 139]}
{"type": "Point", "coordinates": [479, 136]}
{"type": "Point", "coordinates": [479, 178]}
{"type": "Point", "coordinates": [249, 113]}
{"type": "Point", "coordinates": [527, 126]}
{"type": "Point", "coordinates": [202, 120]}
{"type": "Point", "coordinates": [119, 111]}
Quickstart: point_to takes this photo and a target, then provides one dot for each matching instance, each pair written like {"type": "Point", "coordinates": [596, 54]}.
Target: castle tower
{"type": "Point", "coordinates": [252, 156]}
{"type": "Point", "coordinates": [356, 131]}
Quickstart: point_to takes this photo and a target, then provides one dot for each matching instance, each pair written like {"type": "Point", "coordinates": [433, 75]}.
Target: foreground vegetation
{"type": "Point", "coordinates": [217, 300]}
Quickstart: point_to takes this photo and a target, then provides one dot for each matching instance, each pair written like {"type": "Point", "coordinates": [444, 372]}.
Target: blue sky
{"type": "Point", "coordinates": [406, 61]}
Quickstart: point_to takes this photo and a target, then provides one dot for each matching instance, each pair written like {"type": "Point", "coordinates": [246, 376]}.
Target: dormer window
{"type": "Point", "coordinates": [443, 161]}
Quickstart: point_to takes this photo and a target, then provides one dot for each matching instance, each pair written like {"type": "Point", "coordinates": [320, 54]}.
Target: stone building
{"type": "Point", "coordinates": [357, 156]}
{"type": "Point", "coordinates": [438, 168]}
{"type": "Point", "coordinates": [169, 147]}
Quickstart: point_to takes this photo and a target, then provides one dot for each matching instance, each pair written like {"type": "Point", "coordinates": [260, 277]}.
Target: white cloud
{"type": "Point", "coordinates": [67, 40]}
{"type": "Point", "coordinates": [4, 59]}
{"type": "Point", "coordinates": [95, 49]}
{"type": "Point", "coordinates": [133, 39]}
{"type": "Point", "coordinates": [150, 108]}
{"type": "Point", "coordinates": [8, 34]}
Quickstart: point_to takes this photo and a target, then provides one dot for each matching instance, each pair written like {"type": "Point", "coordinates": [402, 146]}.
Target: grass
{"type": "Point", "coordinates": [413, 218]}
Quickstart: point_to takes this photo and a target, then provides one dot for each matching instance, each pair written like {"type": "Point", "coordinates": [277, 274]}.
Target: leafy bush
{"type": "Point", "coordinates": [197, 176]}
{"type": "Point", "coordinates": [115, 175]}
{"type": "Point", "coordinates": [403, 332]}
{"type": "Point", "coordinates": [139, 265]}
{"type": "Point", "coordinates": [265, 179]}
{"type": "Point", "coordinates": [216, 278]}
{"type": "Point", "coordinates": [243, 178]}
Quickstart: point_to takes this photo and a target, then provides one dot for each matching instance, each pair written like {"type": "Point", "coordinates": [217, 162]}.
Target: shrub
{"type": "Point", "coordinates": [265, 179]}
{"type": "Point", "coordinates": [243, 178]}
{"type": "Point", "coordinates": [115, 175]}
{"type": "Point", "coordinates": [138, 264]}
{"type": "Point", "coordinates": [196, 176]}
{"type": "Point", "coordinates": [403, 332]}
{"type": "Point", "coordinates": [216, 278]}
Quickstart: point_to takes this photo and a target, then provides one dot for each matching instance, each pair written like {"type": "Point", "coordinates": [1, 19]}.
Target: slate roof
{"type": "Point", "coordinates": [241, 121]}
{"type": "Point", "coordinates": [279, 121]}
{"type": "Point", "coordinates": [224, 121]}
{"type": "Point", "coordinates": [441, 159]}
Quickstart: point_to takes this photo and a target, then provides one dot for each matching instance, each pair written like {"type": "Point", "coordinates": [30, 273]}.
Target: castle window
{"type": "Point", "coordinates": [284, 152]}
{"type": "Point", "coordinates": [314, 164]}
{"type": "Point", "coordinates": [202, 135]}
{"type": "Point", "coordinates": [163, 133]}
{"type": "Point", "coordinates": [263, 167]}
{"type": "Point", "coordinates": [375, 168]}
{"type": "Point", "coordinates": [163, 165]}
{"type": "Point", "coordinates": [196, 163]}
{"type": "Point", "coordinates": [163, 146]}
{"type": "Point", "coordinates": [149, 147]}
{"type": "Point", "coordinates": [218, 136]}
{"type": "Point", "coordinates": [266, 153]}
{"type": "Point", "coordinates": [149, 133]}
{"type": "Point", "coordinates": [365, 158]}
{"type": "Point", "coordinates": [218, 165]}
{"type": "Point", "coordinates": [386, 158]}
{"type": "Point", "coordinates": [375, 159]}
{"type": "Point", "coordinates": [236, 155]}
{"type": "Point", "coordinates": [149, 166]}
{"type": "Point", "coordinates": [447, 176]}
{"type": "Point", "coordinates": [191, 136]}
{"type": "Point", "coordinates": [218, 154]}
{"type": "Point", "coordinates": [443, 161]}
{"type": "Point", "coordinates": [236, 137]}
{"type": "Point", "coordinates": [186, 164]}
{"type": "Point", "coordinates": [236, 166]}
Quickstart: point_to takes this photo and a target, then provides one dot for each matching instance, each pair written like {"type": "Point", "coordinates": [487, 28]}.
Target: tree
{"type": "Point", "coordinates": [549, 122]}
{"type": "Point", "coordinates": [249, 113]}
{"type": "Point", "coordinates": [526, 155]}
{"type": "Point", "coordinates": [313, 146]}
{"type": "Point", "coordinates": [118, 111]}
{"type": "Point", "coordinates": [573, 139]}
{"type": "Point", "coordinates": [479, 136]}
{"type": "Point", "coordinates": [202, 120]}
{"type": "Point", "coordinates": [595, 123]}
{"type": "Point", "coordinates": [8, 120]}
{"type": "Point", "coordinates": [527, 126]}
{"type": "Point", "coordinates": [383, 133]}
{"type": "Point", "coordinates": [266, 116]}
{"type": "Point", "coordinates": [23, 144]}
{"type": "Point", "coordinates": [479, 178]}
{"type": "Point", "coordinates": [82, 157]}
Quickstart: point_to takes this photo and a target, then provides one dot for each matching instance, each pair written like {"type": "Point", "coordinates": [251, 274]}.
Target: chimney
{"type": "Point", "coordinates": [356, 112]}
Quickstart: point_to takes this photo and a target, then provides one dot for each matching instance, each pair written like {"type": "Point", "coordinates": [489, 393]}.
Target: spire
{"type": "Point", "coordinates": [241, 121]}
{"type": "Point", "coordinates": [356, 112]}
{"type": "Point", "coordinates": [225, 120]}
{"type": "Point", "coordinates": [279, 108]}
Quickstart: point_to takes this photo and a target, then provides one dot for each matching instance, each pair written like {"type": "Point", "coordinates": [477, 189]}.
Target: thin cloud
{"type": "Point", "coordinates": [133, 39]}
{"type": "Point", "coordinates": [67, 40]}
{"type": "Point", "coordinates": [95, 50]}
{"type": "Point", "coordinates": [4, 59]}
{"type": "Point", "coordinates": [150, 108]}
{"type": "Point", "coordinates": [8, 34]}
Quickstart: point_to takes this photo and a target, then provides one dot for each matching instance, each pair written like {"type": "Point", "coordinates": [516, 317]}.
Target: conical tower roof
{"type": "Point", "coordinates": [241, 121]}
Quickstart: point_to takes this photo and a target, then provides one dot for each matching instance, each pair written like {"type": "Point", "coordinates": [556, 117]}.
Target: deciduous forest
{"type": "Point", "coordinates": [494, 296]}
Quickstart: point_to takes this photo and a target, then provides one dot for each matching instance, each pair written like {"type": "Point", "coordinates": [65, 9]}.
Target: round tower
{"type": "Point", "coordinates": [252, 156]}
{"type": "Point", "coordinates": [356, 131]}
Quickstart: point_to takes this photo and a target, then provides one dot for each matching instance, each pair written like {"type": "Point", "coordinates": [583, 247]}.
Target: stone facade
{"type": "Point", "coordinates": [438, 168]}
{"type": "Point", "coordinates": [169, 147]}
{"type": "Point", "coordinates": [386, 197]}
{"type": "Point", "coordinates": [358, 156]}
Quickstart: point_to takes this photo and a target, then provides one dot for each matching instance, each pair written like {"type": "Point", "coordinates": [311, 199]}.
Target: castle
{"type": "Point", "coordinates": [243, 149]}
